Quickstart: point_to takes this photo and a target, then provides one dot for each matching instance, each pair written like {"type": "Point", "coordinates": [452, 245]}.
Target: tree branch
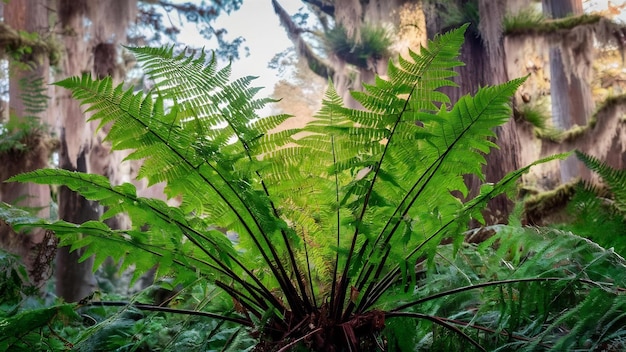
{"type": "Point", "coordinates": [325, 6]}
{"type": "Point", "coordinates": [317, 64]}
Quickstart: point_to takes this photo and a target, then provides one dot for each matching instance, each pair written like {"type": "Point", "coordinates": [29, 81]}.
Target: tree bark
{"type": "Point", "coordinates": [30, 16]}
{"type": "Point", "coordinates": [572, 102]}
{"type": "Point", "coordinates": [484, 60]}
{"type": "Point", "coordinates": [74, 280]}
{"type": "Point", "coordinates": [89, 48]}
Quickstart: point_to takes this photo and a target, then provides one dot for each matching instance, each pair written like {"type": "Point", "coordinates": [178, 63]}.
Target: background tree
{"type": "Point", "coordinates": [25, 143]}
{"type": "Point", "coordinates": [82, 36]}
{"type": "Point", "coordinates": [570, 92]}
{"type": "Point", "coordinates": [92, 48]}
{"type": "Point", "coordinates": [492, 33]}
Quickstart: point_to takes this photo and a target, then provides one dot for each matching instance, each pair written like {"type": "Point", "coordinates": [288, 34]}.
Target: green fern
{"type": "Point", "coordinates": [331, 219]}
{"type": "Point", "coordinates": [569, 305]}
{"type": "Point", "coordinates": [20, 133]}
{"type": "Point", "coordinates": [614, 179]}
{"type": "Point", "coordinates": [592, 208]}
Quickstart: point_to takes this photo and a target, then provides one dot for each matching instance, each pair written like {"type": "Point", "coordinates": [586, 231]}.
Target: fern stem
{"type": "Point", "coordinates": [220, 267]}
{"type": "Point", "coordinates": [366, 295]}
{"type": "Point", "coordinates": [278, 270]}
{"type": "Point", "coordinates": [439, 321]}
{"type": "Point", "coordinates": [153, 308]}
{"type": "Point", "coordinates": [381, 286]}
{"type": "Point", "coordinates": [244, 301]}
{"type": "Point", "coordinates": [287, 286]}
{"type": "Point", "coordinates": [281, 277]}
{"type": "Point", "coordinates": [481, 285]}
{"type": "Point", "coordinates": [336, 264]}
{"type": "Point", "coordinates": [429, 174]}
{"type": "Point", "coordinates": [291, 253]}
{"type": "Point", "coordinates": [387, 239]}
{"type": "Point", "coordinates": [285, 277]}
{"type": "Point", "coordinates": [343, 284]}
{"type": "Point", "coordinates": [308, 265]}
{"type": "Point", "coordinates": [344, 279]}
{"type": "Point", "coordinates": [186, 229]}
{"type": "Point", "coordinates": [294, 342]}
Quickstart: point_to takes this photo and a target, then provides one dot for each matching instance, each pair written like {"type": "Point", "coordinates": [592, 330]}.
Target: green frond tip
{"type": "Point", "coordinates": [614, 179]}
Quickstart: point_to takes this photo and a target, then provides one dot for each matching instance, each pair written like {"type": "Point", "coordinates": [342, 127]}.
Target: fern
{"type": "Point", "coordinates": [536, 298]}
{"type": "Point", "coordinates": [615, 179]}
{"type": "Point", "coordinates": [592, 207]}
{"type": "Point", "coordinates": [331, 219]}
{"type": "Point", "coordinates": [21, 133]}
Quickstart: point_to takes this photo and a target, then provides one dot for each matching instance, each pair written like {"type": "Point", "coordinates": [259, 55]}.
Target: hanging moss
{"type": "Point", "coordinates": [316, 63]}
{"type": "Point", "coordinates": [373, 44]}
{"type": "Point", "coordinates": [460, 14]}
{"type": "Point", "coordinates": [27, 47]}
{"type": "Point", "coordinates": [535, 114]}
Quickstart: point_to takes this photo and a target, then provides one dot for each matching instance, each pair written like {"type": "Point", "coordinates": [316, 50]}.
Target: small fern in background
{"type": "Point", "coordinates": [615, 180]}
{"type": "Point", "coordinates": [373, 44]}
{"type": "Point", "coordinates": [20, 133]}
{"type": "Point", "coordinates": [600, 214]}
{"type": "Point", "coordinates": [329, 237]}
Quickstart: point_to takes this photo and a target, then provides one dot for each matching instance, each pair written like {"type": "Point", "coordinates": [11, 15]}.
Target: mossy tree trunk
{"type": "Point", "coordinates": [30, 16]}
{"type": "Point", "coordinates": [94, 31]}
{"type": "Point", "coordinates": [74, 280]}
{"type": "Point", "coordinates": [484, 58]}
{"type": "Point", "coordinates": [570, 92]}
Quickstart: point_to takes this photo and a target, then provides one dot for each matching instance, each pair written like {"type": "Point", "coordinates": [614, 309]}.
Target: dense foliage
{"type": "Point", "coordinates": [592, 207]}
{"type": "Point", "coordinates": [347, 234]}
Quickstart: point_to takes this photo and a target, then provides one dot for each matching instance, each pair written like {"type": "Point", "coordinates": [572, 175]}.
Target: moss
{"type": "Point", "coordinates": [526, 24]}
{"type": "Point", "coordinates": [523, 20]}
{"type": "Point", "coordinates": [550, 134]}
{"type": "Point", "coordinates": [575, 132]}
{"type": "Point", "coordinates": [460, 14]}
{"type": "Point", "coordinates": [539, 116]}
{"type": "Point", "coordinates": [28, 48]}
{"type": "Point", "coordinates": [374, 44]}
{"type": "Point", "coordinates": [535, 114]}
{"type": "Point", "coordinates": [611, 102]}
{"type": "Point", "coordinates": [543, 205]}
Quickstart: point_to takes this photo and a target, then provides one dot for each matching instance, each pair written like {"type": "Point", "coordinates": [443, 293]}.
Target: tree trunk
{"type": "Point", "coordinates": [570, 92]}
{"type": "Point", "coordinates": [483, 55]}
{"type": "Point", "coordinates": [91, 47]}
{"type": "Point", "coordinates": [30, 16]}
{"type": "Point", "coordinates": [74, 280]}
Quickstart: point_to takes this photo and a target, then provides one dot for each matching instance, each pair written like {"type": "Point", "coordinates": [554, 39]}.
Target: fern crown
{"type": "Point", "coordinates": [349, 201]}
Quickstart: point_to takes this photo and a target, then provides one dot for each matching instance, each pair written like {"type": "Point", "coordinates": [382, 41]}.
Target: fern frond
{"type": "Point", "coordinates": [468, 129]}
{"type": "Point", "coordinates": [168, 227]}
{"type": "Point", "coordinates": [614, 179]}
{"type": "Point", "coordinates": [207, 95]}
{"type": "Point", "coordinates": [337, 226]}
{"type": "Point", "coordinates": [190, 147]}
{"type": "Point", "coordinates": [33, 95]}
{"type": "Point", "coordinates": [534, 298]}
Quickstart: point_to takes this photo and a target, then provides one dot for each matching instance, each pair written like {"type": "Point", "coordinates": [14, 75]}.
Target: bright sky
{"type": "Point", "coordinates": [258, 24]}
